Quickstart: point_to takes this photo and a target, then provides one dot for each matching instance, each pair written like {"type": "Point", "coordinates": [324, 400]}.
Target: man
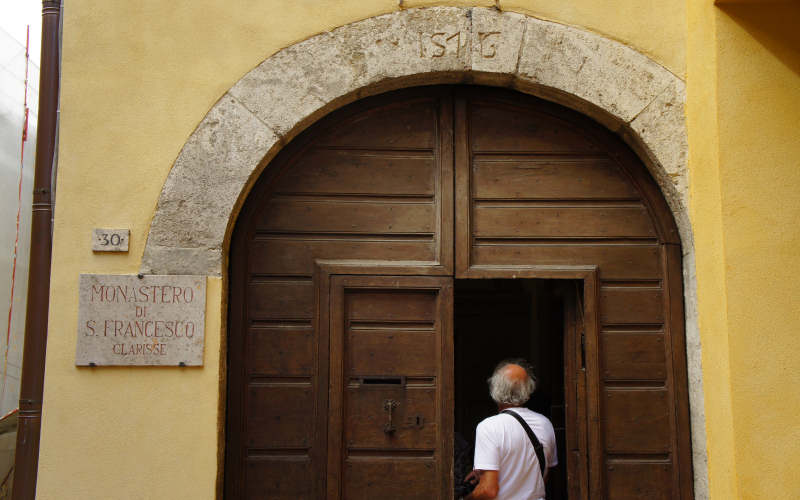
{"type": "Point", "coordinates": [506, 465]}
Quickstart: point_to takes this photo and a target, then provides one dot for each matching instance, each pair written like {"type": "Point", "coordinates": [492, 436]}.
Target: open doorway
{"type": "Point", "coordinates": [504, 318]}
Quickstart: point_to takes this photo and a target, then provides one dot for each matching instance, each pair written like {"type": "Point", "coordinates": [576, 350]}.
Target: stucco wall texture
{"type": "Point", "coordinates": [758, 51]}
{"type": "Point", "coordinates": [743, 85]}
{"type": "Point", "coordinates": [137, 78]}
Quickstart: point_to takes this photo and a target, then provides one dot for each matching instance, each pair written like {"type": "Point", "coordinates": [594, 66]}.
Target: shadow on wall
{"type": "Point", "coordinates": [775, 26]}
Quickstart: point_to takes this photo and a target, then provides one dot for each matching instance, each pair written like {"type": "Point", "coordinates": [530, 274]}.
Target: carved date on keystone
{"type": "Point", "coordinates": [488, 40]}
{"type": "Point", "coordinates": [439, 44]}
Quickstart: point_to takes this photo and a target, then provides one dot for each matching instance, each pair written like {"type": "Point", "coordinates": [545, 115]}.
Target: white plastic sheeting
{"type": "Point", "coordinates": [13, 170]}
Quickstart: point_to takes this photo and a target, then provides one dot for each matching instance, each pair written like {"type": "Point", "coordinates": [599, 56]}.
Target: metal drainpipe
{"type": "Point", "coordinates": [32, 385]}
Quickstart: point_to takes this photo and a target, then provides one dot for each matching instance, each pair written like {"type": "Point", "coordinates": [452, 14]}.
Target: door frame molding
{"type": "Point", "coordinates": [324, 270]}
{"type": "Point", "coordinates": [630, 94]}
{"type": "Point", "coordinates": [589, 276]}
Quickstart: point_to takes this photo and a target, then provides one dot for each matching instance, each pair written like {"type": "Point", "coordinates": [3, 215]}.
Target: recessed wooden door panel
{"type": "Point", "coordinates": [279, 416]}
{"type": "Point", "coordinates": [362, 475]}
{"type": "Point", "coordinates": [392, 351]}
{"type": "Point", "coordinates": [632, 355]}
{"type": "Point", "coordinates": [415, 417]}
{"type": "Point", "coordinates": [283, 255]}
{"type": "Point", "coordinates": [546, 177]}
{"type": "Point", "coordinates": [404, 124]}
{"type": "Point", "coordinates": [281, 350]}
{"type": "Point", "coordinates": [278, 478]}
{"type": "Point", "coordinates": [522, 220]}
{"type": "Point", "coordinates": [614, 262]}
{"type": "Point", "coordinates": [275, 298]}
{"type": "Point", "coordinates": [636, 421]}
{"type": "Point", "coordinates": [641, 304]}
{"type": "Point", "coordinates": [499, 125]}
{"type": "Point", "coordinates": [641, 481]}
{"type": "Point", "coordinates": [350, 217]}
{"type": "Point", "coordinates": [390, 400]}
{"type": "Point", "coordinates": [363, 172]}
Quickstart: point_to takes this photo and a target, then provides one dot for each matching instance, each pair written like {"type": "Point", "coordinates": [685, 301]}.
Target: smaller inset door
{"type": "Point", "coordinates": [390, 400]}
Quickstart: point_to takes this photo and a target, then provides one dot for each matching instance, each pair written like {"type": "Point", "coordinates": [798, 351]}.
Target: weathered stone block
{"type": "Point", "coordinates": [662, 126]}
{"type": "Point", "coordinates": [208, 178]}
{"type": "Point", "coordinates": [411, 42]}
{"type": "Point", "coordinates": [606, 73]}
{"type": "Point", "coordinates": [496, 41]}
{"type": "Point", "coordinates": [295, 83]}
{"type": "Point", "coordinates": [178, 260]}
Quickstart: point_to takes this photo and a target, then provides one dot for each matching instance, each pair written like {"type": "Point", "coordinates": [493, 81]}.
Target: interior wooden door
{"type": "Point", "coordinates": [390, 400]}
{"type": "Point", "coordinates": [576, 449]}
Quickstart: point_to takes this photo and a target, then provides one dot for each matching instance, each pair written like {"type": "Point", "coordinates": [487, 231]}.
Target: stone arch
{"type": "Point", "coordinates": [624, 90]}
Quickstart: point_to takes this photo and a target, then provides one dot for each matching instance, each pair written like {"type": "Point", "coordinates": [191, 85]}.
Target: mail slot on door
{"type": "Point", "coordinates": [370, 381]}
{"type": "Point", "coordinates": [383, 411]}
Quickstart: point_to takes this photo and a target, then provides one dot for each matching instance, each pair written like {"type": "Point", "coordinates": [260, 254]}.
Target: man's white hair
{"type": "Point", "coordinates": [511, 392]}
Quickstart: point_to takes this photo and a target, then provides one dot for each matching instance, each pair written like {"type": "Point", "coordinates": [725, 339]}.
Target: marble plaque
{"type": "Point", "coordinates": [152, 320]}
{"type": "Point", "coordinates": [110, 240]}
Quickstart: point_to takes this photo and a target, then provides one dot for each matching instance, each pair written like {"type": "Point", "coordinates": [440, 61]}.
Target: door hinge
{"type": "Point", "coordinates": [583, 351]}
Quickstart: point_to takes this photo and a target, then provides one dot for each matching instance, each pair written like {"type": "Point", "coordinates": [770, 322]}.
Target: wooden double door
{"type": "Point", "coordinates": [340, 345]}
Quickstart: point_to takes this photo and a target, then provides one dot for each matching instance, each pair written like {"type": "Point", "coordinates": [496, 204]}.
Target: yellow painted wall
{"type": "Point", "coordinates": [139, 76]}
{"type": "Point", "coordinates": [706, 214]}
{"type": "Point", "coordinates": [743, 75]}
{"type": "Point", "coordinates": [137, 79]}
{"type": "Point", "coordinates": [758, 50]}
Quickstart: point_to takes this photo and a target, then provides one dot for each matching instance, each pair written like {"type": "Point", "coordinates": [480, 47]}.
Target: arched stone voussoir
{"type": "Point", "coordinates": [605, 79]}
{"type": "Point", "coordinates": [298, 81]}
{"type": "Point", "coordinates": [612, 77]}
{"type": "Point", "coordinates": [658, 134]}
{"type": "Point", "coordinates": [200, 193]}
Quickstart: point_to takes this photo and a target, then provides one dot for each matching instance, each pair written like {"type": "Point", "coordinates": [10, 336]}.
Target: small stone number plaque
{"type": "Point", "coordinates": [110, 240]}
{"type": "Point", "coordinates": [152, 320]}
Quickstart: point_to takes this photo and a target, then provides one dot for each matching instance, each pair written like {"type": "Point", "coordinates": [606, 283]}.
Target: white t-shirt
{"type": "Point", "coordinates": [502, 444]}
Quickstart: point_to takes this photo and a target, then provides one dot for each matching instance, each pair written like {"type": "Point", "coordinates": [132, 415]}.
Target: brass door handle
{"type": "Point", "coordinates": [389, 405]}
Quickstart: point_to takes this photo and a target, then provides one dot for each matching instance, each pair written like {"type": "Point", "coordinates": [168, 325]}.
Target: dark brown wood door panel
{"type": "Point", "coordinates": [371, 183]}
{"type": "Point", "coordinates": [390, 387]}
{"type": "Point", "coordinates": [539, 185]}
{"type": "Point", "coordinates": [461, 182]}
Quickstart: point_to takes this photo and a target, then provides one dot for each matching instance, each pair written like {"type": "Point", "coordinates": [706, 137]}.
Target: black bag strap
{"type": "Point", "coordinates": [537, 446]}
